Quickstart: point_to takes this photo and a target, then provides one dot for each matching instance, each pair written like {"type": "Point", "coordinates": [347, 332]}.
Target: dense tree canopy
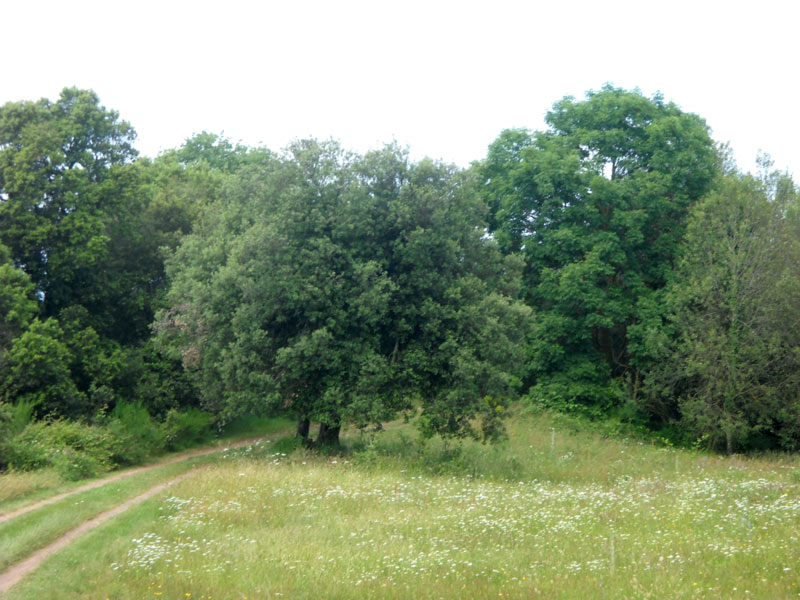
{"type": "Point", "coordinates": [81, 226]}
{"type": "Point", "coordinates": [729, 361]}
{"type": "Point", "coordinates": [597, 206]}
{"type": "Point", "coordinates": [18, 305]}
{"type": "Point", "coordinates": [56, 160]}
{"type": "Point", "coordinates": [617, 264]}
{"type": "Point", "coordinates": [347, 288]}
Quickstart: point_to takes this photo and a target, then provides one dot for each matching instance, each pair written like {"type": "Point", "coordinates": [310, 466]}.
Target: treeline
{"type": "Point", "coordinates": [616, 265]}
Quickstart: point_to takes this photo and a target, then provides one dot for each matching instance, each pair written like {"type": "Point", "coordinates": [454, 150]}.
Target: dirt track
{"type": "Point", "coordinates": [122, 475]}
{"type": "Point", "coordinates": [20, 569]}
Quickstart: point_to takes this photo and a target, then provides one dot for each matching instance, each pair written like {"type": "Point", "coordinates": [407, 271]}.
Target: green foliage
{"type": "Point", "coordinates": [189, 428]}
{"type": "Point", "coordinates": [156, 381]}
{"type": "Point", "coordinates": [94, 362]}
{"type": "Point", "coordinates": [286, 445]}
{"type": "Point", "coordinates": [55, 160]}
{"type": "Point", "coordinates": [37, 371]}
{"type": "Point", "coordinates": [81, 231]}
{"type": "Point", "coordinates": [346, 288]}
{"type": "Point", "coordinates": [730, 352]}
{"type": "Point", "coordinates": [342, 288]}
{"type": "Point", "coordinates": [248, 426]}
{"type": "Point", "coordinates": [75, 450]}
{"type": "Point", "coordinates": [596, 205]}
{"type": "Point", "coordinates": [84, 221]}
{"type": "Point", "coordinates": [18, 305]}
{"type": "Point", "coordinates": [64, 368]}
{"type": "Point", "coordinates": [14, 418]}
{"type": "Point", "coordinates": [214, 152]}
{"type": "Point", "coordinates": [19, 415]}
{"type": "Point", "coordinates": [136, 435]}
{"type": "Point", "coordinates": [5, 437]}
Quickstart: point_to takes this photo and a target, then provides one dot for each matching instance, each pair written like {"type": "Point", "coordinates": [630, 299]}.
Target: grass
{"type": "Point", "coordinates": [19, 484]}
{"type": "Point", "coordinates": [251, 426]}
{"type": "Point", "coordinates": [549, 514]}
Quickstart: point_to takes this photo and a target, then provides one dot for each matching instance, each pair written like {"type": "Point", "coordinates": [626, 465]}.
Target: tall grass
{"type": "Point", "coordinates": [21, 483]}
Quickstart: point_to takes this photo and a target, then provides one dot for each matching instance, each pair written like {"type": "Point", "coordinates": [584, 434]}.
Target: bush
{"type": "Point", "coordinates": [5, 417]}
{"type": "Point", "coordinates": [75, 450]}
{"type": "Point", "coordinates": [135, 435]}
{"type": "Point", "coordinates": [187, 428]}
{"type": "Point", "coordinates": [20, 415]}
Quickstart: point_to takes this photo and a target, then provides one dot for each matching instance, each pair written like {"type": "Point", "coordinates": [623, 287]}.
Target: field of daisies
{"type": "Point", "coordinates": [551, 513]}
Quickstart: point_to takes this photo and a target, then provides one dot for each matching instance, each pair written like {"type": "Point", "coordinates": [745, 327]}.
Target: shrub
{"type": "Point", "coordinates": [5, 417]}
{"type": "Point", "coordinates": [20, 415]}
{"type": "Point", "coordinates": [187, 428]}
{"type": "Point", "coordinates": [135, 435]}
{"type": "Point", "coordinates": [75, 450]}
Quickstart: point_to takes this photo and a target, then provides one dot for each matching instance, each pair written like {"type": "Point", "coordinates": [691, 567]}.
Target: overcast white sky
{"type": "Point", "coordinates": [443, 78]}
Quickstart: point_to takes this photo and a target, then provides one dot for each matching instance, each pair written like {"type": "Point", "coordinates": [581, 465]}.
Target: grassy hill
{"type": "Point", "coordinates": [551, 513]}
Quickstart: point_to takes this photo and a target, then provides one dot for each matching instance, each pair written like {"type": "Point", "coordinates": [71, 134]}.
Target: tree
{"type": "Point", "coordinates": [37, 372]}
{"type": "Point", "coordinates": [18, 305]}
{"type": "Point", "coordinates": [732, 363]}
{"type": "Point", "coordinates": [596, 205]}
{"type": "Point", "coordinates": [341, 288]}
{"type": "Point", "coordinates": [55, 164]}
{"type": "Point", "coordinates": [215, 153]}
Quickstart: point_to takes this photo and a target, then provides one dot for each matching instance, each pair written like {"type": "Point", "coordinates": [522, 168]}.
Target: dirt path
{"type": "Point", "coordinates": [19, 570]}
{"type": "Point", "coordinates": [124, 474]}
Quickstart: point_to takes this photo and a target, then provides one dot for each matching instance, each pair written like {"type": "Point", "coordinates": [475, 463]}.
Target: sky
{"type": "Point", "coordinates": [443, 78]}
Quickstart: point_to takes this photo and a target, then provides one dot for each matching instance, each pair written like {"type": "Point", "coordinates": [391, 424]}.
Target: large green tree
{"type": "Point", "coordinates": [56, 160]}
{"type": "Point", "coordinates": [343, 288]}
{"type": "Point", "coordinates": [596, 205]}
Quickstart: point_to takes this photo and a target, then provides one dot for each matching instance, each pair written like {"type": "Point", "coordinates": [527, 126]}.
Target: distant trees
{"type": "Point", "coordinates": [635, 313]}
{"type": "Point", "coordinates": [343, 288]}
{"type": "Point", "coordinates": [56, 162]}
{"type": "Point", "coordinates": [660, 285]}
{"type": "Point", "coordinates": [18, 305]}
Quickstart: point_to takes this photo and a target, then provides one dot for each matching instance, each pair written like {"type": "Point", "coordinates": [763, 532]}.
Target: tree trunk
{"type": "Point", "coordinates": [728, 443]}
{"type": "Point", "coordinates": [302, 428]}
{"type": "Point", "coordinates": [328, 435]}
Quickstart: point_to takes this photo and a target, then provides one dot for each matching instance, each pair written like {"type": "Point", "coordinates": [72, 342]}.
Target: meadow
{"type": "Point", "coordinates": [553, 512]}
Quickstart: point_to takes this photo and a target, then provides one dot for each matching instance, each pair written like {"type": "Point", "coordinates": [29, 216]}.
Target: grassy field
{"type": "Point", "coordinates": [549, 514]}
